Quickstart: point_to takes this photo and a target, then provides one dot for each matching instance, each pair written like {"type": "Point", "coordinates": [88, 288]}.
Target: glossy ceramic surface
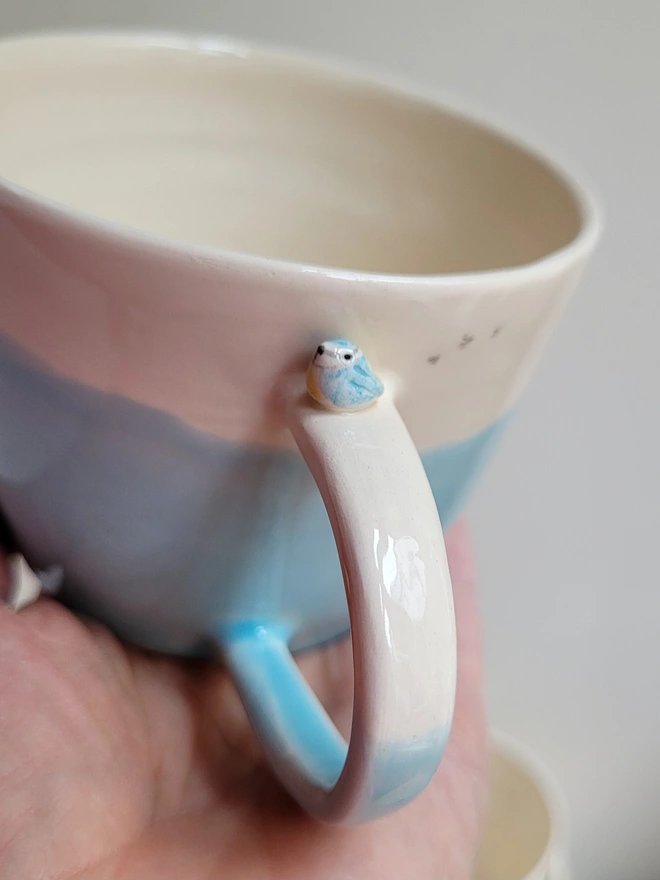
{"type": "Point", "coordinates": [340, 378]}
{"type": "Point", "coordinates": [181, 222]}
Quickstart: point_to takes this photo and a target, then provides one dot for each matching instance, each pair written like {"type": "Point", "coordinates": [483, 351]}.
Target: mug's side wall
{"type": "Point", "coordinates": [209, 339]}
{"type": "Point", "coordinates": [143, 445]}
{"type": "Point", "coordinates": [153, 520]}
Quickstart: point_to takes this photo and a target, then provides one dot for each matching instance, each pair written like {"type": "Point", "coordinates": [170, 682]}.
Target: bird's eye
{"type": "Point", "coordinates": [348, 356]}
{"type": "Point", "coordinates": [320, 349]}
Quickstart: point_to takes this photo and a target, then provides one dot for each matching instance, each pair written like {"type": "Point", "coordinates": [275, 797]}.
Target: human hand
{"type": "Point", "coordinates": [119, 764]}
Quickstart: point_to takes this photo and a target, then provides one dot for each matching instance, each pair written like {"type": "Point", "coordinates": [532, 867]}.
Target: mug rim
{"type": "Point", "coordinates": [548, 265]}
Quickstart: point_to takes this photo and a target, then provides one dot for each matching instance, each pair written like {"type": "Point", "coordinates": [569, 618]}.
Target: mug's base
{"type": "Point", "coordinates": [199, 647]}
{"type": "Point", "coordinates": [300, 646]}
{"type": "Point", "coordinates": [305, 638]}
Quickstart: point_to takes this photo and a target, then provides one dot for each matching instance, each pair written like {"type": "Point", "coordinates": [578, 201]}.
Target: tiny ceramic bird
{"type": "Point", "coordinates": [340, 378]}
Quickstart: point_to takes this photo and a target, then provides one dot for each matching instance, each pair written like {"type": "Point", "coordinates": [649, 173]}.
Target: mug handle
{"type": "Point", "coordinates": [390, 544]}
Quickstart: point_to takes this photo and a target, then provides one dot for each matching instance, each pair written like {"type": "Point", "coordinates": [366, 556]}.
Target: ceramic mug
{"type": "Point", "coordinates": [525, 834]}
{"type": "Point", "coordinates": [182, 222]}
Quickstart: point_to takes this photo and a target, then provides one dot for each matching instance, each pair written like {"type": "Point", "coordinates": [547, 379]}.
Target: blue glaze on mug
{"type": "Point", "coordinates": [301, 738]}
{"type": "Point", "coordinates": [264, 669]}
{"type": "Point", "coordinates": [167, 533]}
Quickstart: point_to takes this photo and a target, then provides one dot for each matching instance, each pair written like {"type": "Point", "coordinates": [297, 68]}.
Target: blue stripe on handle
{"type": "Point", "coordinates": [299, 738]}
{"type": "Point", "coordinates": [281, 705]}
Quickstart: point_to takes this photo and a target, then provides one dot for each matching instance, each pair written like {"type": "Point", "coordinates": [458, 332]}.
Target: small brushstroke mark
{"type": "Point", "coordinates": [466, 340]}
{"type": "Point", "coordinates": [496, 332]}
{"type": "Point", "coordinates": [433, 359]}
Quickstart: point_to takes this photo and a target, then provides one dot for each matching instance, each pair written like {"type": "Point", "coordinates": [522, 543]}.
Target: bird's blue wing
{"type": "Point", "coordinates": [363, 378]}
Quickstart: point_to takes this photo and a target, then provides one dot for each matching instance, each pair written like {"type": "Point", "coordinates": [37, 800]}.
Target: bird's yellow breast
{"type": "Point", "coordinates": [313, 384]}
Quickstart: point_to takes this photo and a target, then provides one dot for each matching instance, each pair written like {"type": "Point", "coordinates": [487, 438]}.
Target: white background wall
{"type": "Point", "coordinates": [566, 520]}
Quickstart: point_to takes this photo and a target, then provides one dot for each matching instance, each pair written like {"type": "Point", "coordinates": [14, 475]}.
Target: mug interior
{"type": "Point", "coordinates": [523, 833]}
{"type": "Point", "coordinates": [256, 153]}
